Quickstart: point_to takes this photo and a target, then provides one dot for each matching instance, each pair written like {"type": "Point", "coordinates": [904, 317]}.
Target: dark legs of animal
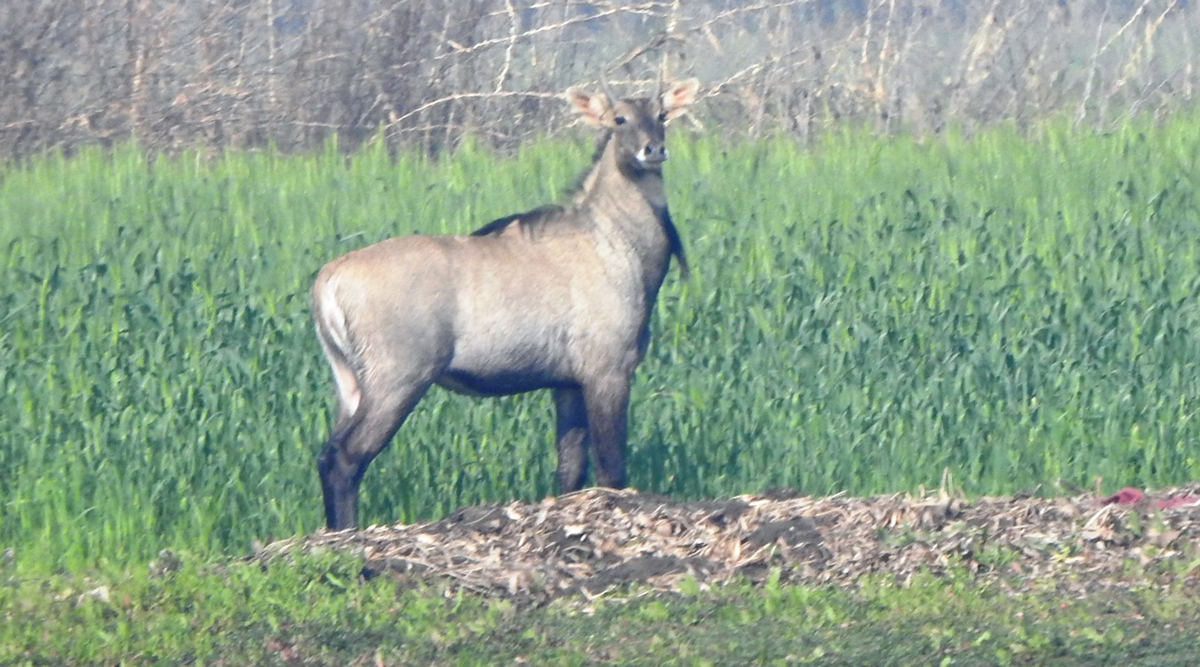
{"type": "Point", "coordinates": [608, 416]}
{"type": "Point", "coordinates": [572, 439]}
{"type": "Point", "coordinates": [356, 441]}
{"type": "Point", "coordinates": [340, 478]}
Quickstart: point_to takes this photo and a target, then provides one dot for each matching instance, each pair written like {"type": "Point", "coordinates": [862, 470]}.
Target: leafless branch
{"type": "Point", "coordinates": [251, 72]}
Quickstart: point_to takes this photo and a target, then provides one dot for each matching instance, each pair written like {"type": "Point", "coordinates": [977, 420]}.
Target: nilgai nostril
{"type": "Point", "coordinates": [556, 298]}
{"type": "Point", "coordinates": [652, 153]}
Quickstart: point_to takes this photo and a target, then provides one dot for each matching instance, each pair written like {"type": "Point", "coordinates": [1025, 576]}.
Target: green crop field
{"type": "Point", "coordinates": [863, 315]}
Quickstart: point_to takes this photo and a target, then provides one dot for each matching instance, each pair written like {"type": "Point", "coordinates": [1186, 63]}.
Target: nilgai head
{"type": "Point", "coordinates": [638, 126]}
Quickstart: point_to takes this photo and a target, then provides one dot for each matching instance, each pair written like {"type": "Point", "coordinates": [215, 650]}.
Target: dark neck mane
{"type": "Point", "coordinates": [533, 220]}
{"type": "Point", "coordinates": [537, 221]}
{"type": "Point", "coordinates": [674, 242]}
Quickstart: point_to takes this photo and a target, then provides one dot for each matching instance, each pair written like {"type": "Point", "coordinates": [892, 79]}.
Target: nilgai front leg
{"type": "Point", "coordinates": [572, 437]}
{"type": "Point", "coordinates": [608, 416]}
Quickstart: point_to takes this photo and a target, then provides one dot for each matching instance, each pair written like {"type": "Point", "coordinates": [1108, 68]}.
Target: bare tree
{"type": "Point", "coordinates": [426, 73]}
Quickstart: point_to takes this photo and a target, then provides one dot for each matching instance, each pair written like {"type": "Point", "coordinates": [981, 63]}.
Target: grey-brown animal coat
{"type": "Point", "coordinates": [557, 298]}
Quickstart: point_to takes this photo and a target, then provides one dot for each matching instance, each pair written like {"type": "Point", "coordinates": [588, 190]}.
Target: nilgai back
{"type": "Point", "coordinates": [556, 298]}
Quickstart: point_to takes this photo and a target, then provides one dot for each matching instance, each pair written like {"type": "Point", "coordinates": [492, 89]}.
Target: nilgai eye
{"type": "Point", "coordinates": [662, 117]}
{"type": "Point", "coordinates": [619, 120]}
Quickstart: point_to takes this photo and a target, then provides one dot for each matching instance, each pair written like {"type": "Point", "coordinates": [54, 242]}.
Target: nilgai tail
{"type": "Point", "coordinates": [557, 298]}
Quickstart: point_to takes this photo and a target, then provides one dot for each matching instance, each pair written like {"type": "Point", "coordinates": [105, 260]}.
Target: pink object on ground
{"type": "Point", "coordinates": [1132, 496]}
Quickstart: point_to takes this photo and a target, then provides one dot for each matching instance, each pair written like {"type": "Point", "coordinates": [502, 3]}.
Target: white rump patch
{"type": "Point", "coordinates": [336, 342]}
{"type": "Point", "coordinates": [333, 317]}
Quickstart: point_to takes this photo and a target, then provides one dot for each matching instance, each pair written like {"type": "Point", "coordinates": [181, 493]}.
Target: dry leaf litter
{"type": "Point", "coordinates": [599, 540]}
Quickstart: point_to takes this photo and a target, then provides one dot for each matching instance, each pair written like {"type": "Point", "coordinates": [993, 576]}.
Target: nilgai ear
{"type": "Point", "coordinates": [593, 107]}
{"type": "Point", "coordinates": [679, 96]}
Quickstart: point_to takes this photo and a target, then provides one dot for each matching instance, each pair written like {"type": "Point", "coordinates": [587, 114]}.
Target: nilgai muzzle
{"type": "Point", "coordinates": [557, 298]}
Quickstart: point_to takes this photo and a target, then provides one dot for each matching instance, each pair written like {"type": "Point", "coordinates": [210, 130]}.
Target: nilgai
{"type": "Point", "coordinates": [556, 298]}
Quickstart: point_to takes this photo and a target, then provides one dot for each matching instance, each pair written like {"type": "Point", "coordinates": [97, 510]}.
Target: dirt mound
{"type": "Point", "coordinates": [598, 539]}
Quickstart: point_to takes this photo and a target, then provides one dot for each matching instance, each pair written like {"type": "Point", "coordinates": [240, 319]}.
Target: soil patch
{"type": "Point", "coordinates": [595, 540]}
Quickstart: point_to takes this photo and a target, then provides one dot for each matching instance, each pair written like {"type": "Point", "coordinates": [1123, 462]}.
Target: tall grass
{"type": "Point", "coordinates": [862, 316]}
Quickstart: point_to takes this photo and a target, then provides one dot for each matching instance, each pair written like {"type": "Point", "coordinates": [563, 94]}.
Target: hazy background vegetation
{"type": "Point", "coordinates": [247, 73]}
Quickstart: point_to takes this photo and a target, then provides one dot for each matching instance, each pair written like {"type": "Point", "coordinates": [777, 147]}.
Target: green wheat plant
{"type": "Point", "coordinates": [863, 315]}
